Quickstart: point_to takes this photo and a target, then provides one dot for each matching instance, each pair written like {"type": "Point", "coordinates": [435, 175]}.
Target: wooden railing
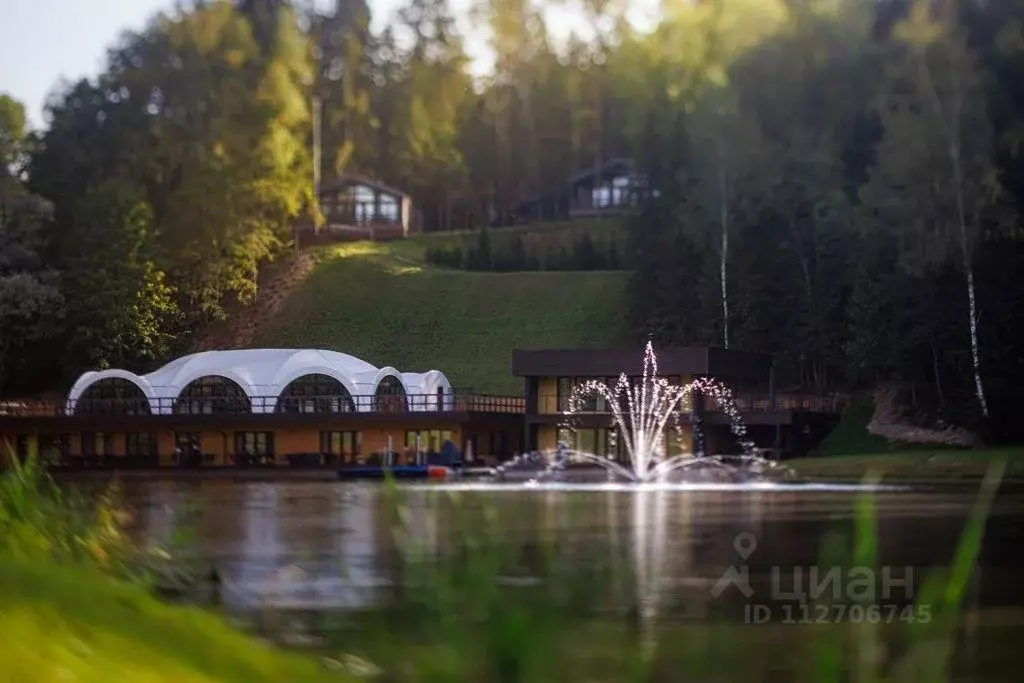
{"type": "Point", "coordinates": [281, 405]}
{"type": "Point", "coordinates": [746, 403]}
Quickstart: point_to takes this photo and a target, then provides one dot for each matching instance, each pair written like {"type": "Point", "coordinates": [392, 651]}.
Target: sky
{"type": "Point", "coordinates": [43, 41]}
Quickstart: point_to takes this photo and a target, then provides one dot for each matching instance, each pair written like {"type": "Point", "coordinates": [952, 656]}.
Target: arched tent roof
{"type": "Point", "coordinates": [427, 384]}
{"type": "Point", "coordinates": [92, 377]}
{"type": "Point", "coordinates": [260, 372]}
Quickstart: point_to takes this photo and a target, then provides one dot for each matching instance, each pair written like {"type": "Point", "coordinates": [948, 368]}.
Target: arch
{"type": "Point", "coordinates": [211, 394]}
{"type": "Point", "coordinates": [433, 388]}
{"type": "Point", "coordinates": [389, 392]}
{"type": "Point", "coordinates": [90, 379]}
{"type": "Point", "coordinates": [315, 392]}
{"type": "Point", "coordinates": [287, 375]}
{"type": "Point", "coordinates": [112, 395]}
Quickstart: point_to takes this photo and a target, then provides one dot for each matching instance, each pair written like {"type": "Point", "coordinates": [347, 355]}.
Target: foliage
{"type": "Point", "coordinates": [66, 621]}
{"type": "Point", "coordinates": [30, 300]}
{"type": "Point", "coordinates": [857, 219]}
{"type": "Point", "coordinates": [13, 148]}
{"type": "Point", "coordinates": [570, 246]}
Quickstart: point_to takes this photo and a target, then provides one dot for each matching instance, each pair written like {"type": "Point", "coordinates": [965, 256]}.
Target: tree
{"type": "Point", "coordinates": [724, 147]}
{"type": "Point", "coordinates": [13, 136]}
{"type": "Point", "coordinates": [30, 302]}
{"type": "Point", "coordinates": [934, 185]}
{"type": "Point", "coordinates": [343, 48]}
{"type": "Point", "coordinates": [120, 307]}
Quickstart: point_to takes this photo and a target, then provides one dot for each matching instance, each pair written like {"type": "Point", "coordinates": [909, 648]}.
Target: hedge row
{"type": "Point", "coordinates": [501, 251]}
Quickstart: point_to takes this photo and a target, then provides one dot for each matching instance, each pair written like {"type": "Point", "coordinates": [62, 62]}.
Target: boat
{"type": "Point", "coordinates": [397, 471]}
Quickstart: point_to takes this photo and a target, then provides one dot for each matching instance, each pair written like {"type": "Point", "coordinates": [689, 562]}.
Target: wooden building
{"type": "Point", "coordinates": [550, 377]}
{"type": "Point", "coordinates": [263, 407]}
{"type": "Point", "coordinates": [308, 407]}
{"type": "Point", "coordinates": [361, 208]}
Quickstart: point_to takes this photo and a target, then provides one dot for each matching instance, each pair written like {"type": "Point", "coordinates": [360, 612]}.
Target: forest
{"type": "Point", "coordinates": [837, 182]}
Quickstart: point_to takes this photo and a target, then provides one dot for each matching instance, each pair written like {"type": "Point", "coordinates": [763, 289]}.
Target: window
{"type": "Point", "coordinates": [315, 393]}
{"type": "Point", "coordinates": [602, 442]}
{"type": "Point", "coordinates": [593, 402]}
{"type": "Point", "coordinates": [565, 387]}
{"type": "Point", "coordinates": [364, 205]}
{"type": "Point", "coordinates": [617, 192]}
{"type": "Point", "coordinates": [142, 444]}
{"type": "Point", "coordinates": [390, 395]}
{"type": "Point", "coordinates": [112, 396]}
{"type": "Point", "coordinates": [427, 440]}
{"type": "Point", "coordinates": [388, 208]}
{"type": "Point", "coordinates": [54, 445]}
{"type": "Point", "coordinates": [498, 444]}
{"type": "Point", "coordinates": [348, 445]}
{"type": "Point", "coordinates": [97, 443]}
{"type": "Point", "coordinates": [188, 441]}
{"type": "Point", "coordinates": [212, 394]}
{"type": "Point", "coordinates": [254, 443]}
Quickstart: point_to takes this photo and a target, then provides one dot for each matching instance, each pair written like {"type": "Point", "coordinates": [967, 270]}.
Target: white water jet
{"type": "Point", "coordinates": [644, 416]}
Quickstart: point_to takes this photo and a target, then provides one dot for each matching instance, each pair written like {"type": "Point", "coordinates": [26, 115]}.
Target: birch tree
{"type": "Point", "coordinates": [724, 145]}
{"type": "Point", "coordinates": [934, 185]}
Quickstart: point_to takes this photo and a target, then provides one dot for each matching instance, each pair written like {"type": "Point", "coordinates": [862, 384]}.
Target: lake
{"type": "Point", "coordinates": [305, 549]}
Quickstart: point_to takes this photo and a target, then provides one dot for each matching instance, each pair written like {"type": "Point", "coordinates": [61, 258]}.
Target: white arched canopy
{"type": "Point", "coordinates": [432, 389]}
{"type": "Point", "coordinates": [255, 379]}
{"type": "Point", "coordinates": [111, 391]}
{"type": "Point", "coordinates": [389, 392]}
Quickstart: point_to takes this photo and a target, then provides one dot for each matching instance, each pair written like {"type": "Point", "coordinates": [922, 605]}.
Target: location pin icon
{"type": "Point", "coordinates": [745, 543]}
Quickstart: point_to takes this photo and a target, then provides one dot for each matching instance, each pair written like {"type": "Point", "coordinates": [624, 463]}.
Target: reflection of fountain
{"type": "Point", "coordinates": [645, 417]}
{"type": "Point", "coordinates": [650, 561]}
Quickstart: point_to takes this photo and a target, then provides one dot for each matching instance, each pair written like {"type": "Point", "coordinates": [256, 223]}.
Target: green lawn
{"type": "Point", "coordinates": [942, 464]}
{"type": "Point", "coordinates": [70, 624]}
{"type": "Point", "coordinates": [382, 303]}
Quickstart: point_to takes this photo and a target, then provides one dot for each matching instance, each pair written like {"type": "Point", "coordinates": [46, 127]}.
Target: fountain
{"type": "Point", "coordinates": [645, 417]}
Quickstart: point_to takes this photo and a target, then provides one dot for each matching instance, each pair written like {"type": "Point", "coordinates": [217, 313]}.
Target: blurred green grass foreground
{"type": "Point", "coordinates": [75, 605]}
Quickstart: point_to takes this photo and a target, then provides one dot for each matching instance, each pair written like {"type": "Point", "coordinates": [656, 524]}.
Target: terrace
{"type": "Point", "coordinates": [267, 407]}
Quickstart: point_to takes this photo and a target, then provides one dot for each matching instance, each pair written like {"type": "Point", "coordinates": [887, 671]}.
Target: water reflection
{"type": "Point", "coordinates": [327, 546]}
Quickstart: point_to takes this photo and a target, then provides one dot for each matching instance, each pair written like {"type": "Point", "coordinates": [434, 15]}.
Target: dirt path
{"type": "Point", "coordinates": [244, 321]}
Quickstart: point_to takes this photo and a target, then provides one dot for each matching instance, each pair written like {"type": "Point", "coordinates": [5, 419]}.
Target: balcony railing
{"type": "Point", "coordinates": [282, 405]}
{"type": "Point", "coordinates": [746, 403]}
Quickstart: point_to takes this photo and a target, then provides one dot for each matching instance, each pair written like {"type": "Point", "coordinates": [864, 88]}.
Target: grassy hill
{"type": "Point", "coordinates": [382, 302]}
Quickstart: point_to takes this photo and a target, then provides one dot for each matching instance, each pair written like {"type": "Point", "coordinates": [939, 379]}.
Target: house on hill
{"type": "Point", "coordinates": [605, 190]}
{"type": "Point", "coordinates": [602, 191]}
{"type": "Point", "coordinates": [362, 208]}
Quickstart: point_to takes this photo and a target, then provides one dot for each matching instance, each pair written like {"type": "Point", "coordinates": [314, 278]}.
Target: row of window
{"type": "Point", "coordinates": [314, 393]}
{"type": "Point", "coordinates": [608, 443]}
{"type": "Point", "coordinates": [619, 192]}
{"type": "Point", "coordinates": [595, 402]}
{"type": "Point", "coordinates": [249, 443]}
{"type": "Point", "coordinates": [361, 205]}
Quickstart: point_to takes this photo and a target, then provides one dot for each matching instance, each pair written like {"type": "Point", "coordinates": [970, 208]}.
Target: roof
{"type": "Point", "coordinates": [610, 165]}
{"type": "Point", "coordinates": [691, 360]}
{"type": "Point", "coordinates": [265, 372]}
{"type": "Point", "coordinates": [343, 181]}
